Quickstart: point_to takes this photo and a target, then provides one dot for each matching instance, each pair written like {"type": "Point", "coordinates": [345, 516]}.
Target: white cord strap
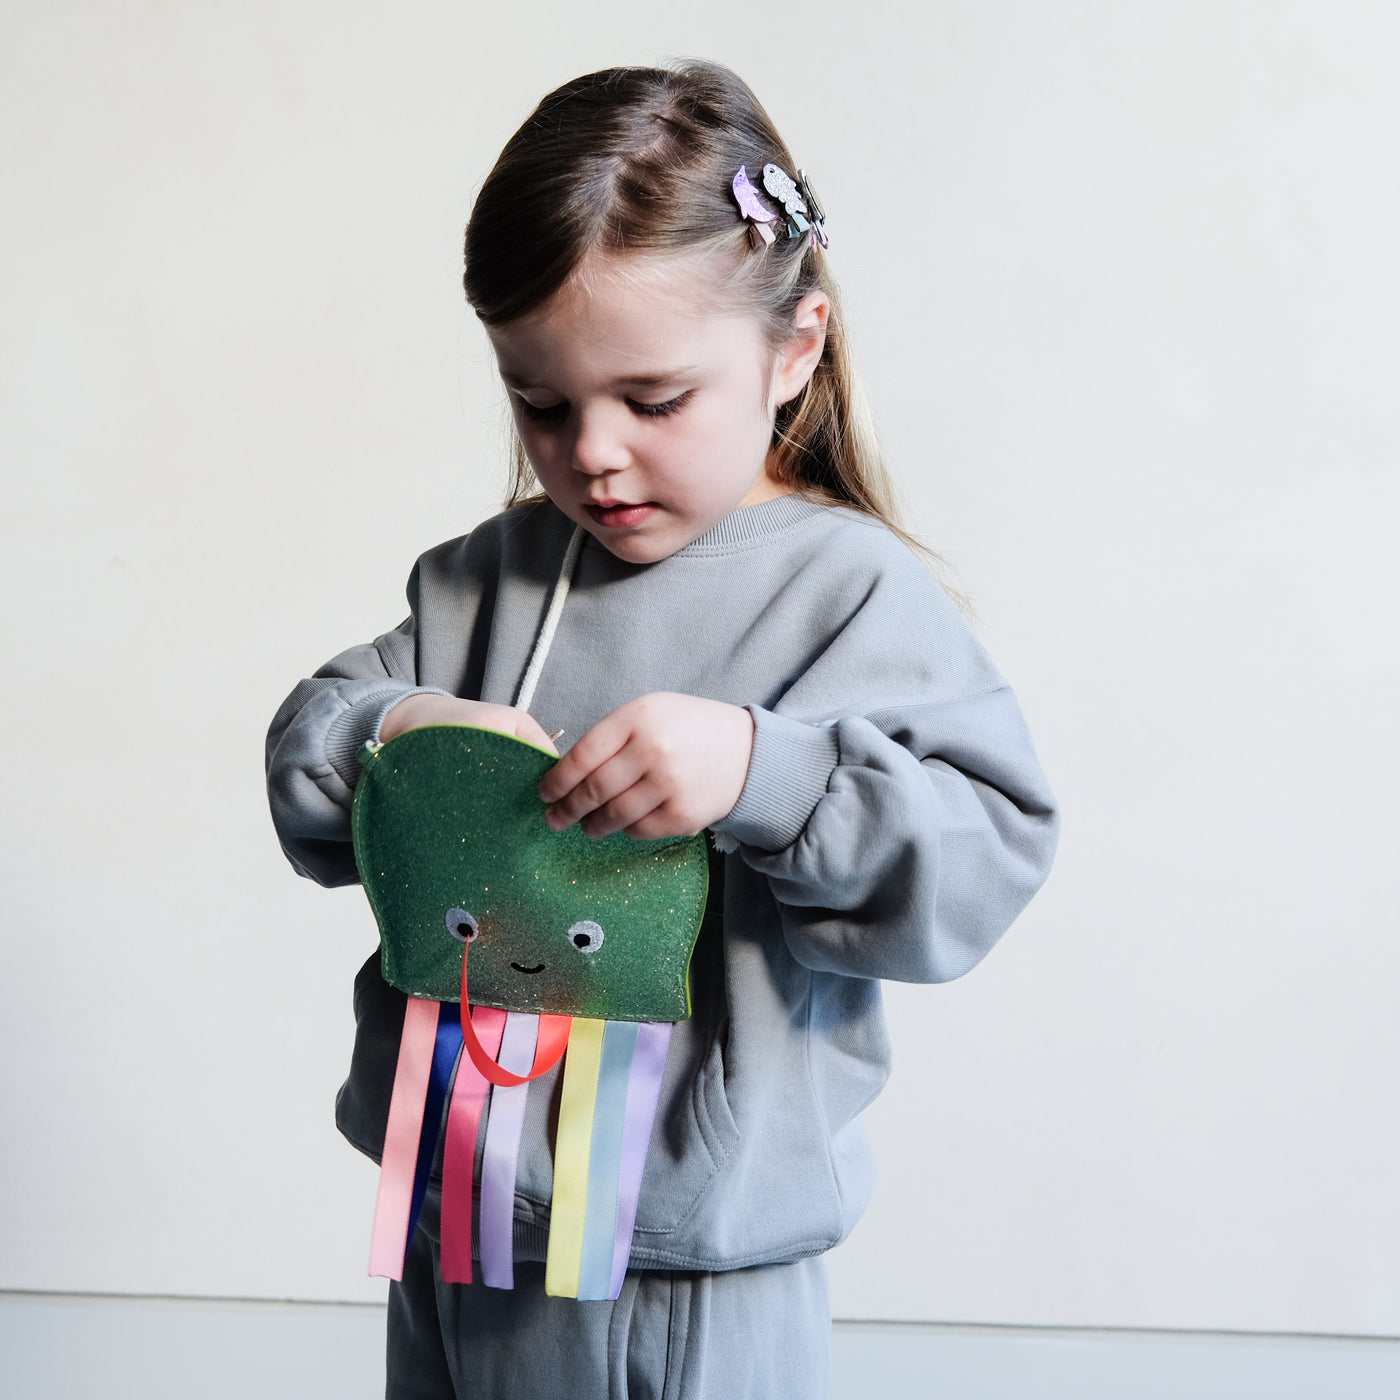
{"type": "Point", "coordinates": [545, 640]}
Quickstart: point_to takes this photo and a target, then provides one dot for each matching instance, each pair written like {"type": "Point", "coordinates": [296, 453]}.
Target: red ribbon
{"type": "Point", "coordinates": [549, 1048]}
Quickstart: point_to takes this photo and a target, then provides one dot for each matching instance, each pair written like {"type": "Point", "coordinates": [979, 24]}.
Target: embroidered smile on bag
{"type": "Point", "coordinates": [515, 945]}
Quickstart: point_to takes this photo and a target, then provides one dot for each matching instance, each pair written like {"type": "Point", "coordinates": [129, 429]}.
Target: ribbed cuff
{"type": "Point", "coordinates": [788, 774]}
{"type": "Point", "coordinates": [358, 724]}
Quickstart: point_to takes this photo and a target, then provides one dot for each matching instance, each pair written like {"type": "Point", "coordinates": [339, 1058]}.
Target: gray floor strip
{"type": "Point", "coordinates": [71, 1346]}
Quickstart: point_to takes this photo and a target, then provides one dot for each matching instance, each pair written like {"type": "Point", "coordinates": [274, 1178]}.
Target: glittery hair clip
{"type": "Point", "coordinates": [803, 217]}
{"type": "Point", "coordinates": [752, 207]}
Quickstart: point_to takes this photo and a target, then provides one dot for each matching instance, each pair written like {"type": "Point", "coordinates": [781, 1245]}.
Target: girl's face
{"type": "Point", "coordinates": [645, 410]}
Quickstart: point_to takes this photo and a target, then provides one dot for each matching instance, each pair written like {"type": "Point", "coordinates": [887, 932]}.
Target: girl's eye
{"type": "Point", "coordinates": [462, 926]}
{"type": "Point", "coordinates": [661, 410]}
{"type": "Point", "coordinates": [550, 413]}
{"type": "Point", "coordinates": [586, 936]}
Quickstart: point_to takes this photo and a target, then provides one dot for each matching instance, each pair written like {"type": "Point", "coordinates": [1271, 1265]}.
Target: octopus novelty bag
{"type": "Point", "coordinates": [518, 946]}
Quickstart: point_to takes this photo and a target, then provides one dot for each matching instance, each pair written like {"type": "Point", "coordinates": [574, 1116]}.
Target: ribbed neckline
{"type": "Point", "coordinates": [750, 524]}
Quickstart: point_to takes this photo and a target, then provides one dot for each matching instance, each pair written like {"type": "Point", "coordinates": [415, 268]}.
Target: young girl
{"type": "Point", "coordinates": [747, 645]}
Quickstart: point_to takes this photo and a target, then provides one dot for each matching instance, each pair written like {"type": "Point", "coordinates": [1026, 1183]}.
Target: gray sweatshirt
{"type": "Point", "coordinates": [894, 822]}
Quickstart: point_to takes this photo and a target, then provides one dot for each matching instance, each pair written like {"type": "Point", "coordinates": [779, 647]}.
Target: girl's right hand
{"type": "Point", "coordinates": [419, 710]}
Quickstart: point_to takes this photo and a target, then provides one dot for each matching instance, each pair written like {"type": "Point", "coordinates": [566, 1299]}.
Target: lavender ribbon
{"type": "Point", "coordinates": [501, 1153]}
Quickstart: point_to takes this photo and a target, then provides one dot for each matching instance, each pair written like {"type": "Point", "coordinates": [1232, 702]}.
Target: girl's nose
{"type": "Point", "coordinates": [600, 445]}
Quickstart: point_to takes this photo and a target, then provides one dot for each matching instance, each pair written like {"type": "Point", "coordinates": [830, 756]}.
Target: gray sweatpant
{"type": "Point", "coordinates": [746, 1334]}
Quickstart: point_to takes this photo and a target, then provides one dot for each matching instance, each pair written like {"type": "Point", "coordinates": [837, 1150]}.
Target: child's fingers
{"type": "Point", "coordinates": [597, 788]}
{"type": "Point", "coordinates": [594, 749]}
{"type": "Point", "coordinates": [648, 810]}
{"type": "Point", "coordinates": [623, 811]}
{"type": "Point", "coordinates": [644, 813]}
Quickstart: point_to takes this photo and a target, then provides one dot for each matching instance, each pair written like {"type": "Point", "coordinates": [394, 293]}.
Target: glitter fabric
{"type": "Point", "coordinates": [448, 823]}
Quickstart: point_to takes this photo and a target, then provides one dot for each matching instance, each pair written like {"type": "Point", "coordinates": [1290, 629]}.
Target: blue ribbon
{"type": "Point", "coordinates": [445, 1051]}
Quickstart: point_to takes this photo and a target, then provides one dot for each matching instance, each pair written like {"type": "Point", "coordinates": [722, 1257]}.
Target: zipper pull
{"type": "Point", "coordinates": [369, 751]}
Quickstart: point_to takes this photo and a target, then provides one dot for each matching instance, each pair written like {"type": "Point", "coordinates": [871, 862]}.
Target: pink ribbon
{"type": "Point", "coordinates": [405, 1126]}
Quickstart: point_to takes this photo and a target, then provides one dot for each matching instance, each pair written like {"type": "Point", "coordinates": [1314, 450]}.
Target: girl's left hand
{"type": "Point", "coordinates": [662, 765]}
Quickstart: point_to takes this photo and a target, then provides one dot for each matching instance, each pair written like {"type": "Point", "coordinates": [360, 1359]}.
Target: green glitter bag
{"type": "Point", "coordinates": [453, 851]}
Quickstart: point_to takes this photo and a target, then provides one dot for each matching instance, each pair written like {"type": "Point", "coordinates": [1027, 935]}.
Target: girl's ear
{"type": "Point", "coordinates": [797, 357]}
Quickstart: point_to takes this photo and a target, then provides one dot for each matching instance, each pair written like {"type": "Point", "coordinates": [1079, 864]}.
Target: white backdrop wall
{"type": "Point", "coordinates": [1125, 286]}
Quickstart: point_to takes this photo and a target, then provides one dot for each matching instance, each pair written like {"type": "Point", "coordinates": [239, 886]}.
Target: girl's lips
{"type": "Point", "coordinates": [620, 516]}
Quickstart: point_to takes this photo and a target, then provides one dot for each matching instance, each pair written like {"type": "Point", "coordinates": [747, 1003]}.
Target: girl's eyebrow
{"type": "Point", "coordinates": [668, 376]}
{"type": "Point", "coordinates": [645, 381]}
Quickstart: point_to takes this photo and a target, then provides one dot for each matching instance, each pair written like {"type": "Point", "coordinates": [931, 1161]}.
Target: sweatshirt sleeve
{"type": "Point", "coordinates": [314, 743]}
{"type": "Point", "coordinates": [900, 839]}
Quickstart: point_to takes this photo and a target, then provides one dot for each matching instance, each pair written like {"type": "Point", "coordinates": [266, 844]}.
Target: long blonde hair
{"type": "Point", "coordinates": [641, 160]}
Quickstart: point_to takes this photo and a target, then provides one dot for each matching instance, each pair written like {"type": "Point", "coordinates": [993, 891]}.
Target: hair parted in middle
{"type": "Point", "coordinates": [642, 161]}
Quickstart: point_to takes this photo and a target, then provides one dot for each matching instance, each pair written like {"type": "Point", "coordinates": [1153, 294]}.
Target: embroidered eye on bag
{"type": "Point", "coordinates": [517, 944]}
